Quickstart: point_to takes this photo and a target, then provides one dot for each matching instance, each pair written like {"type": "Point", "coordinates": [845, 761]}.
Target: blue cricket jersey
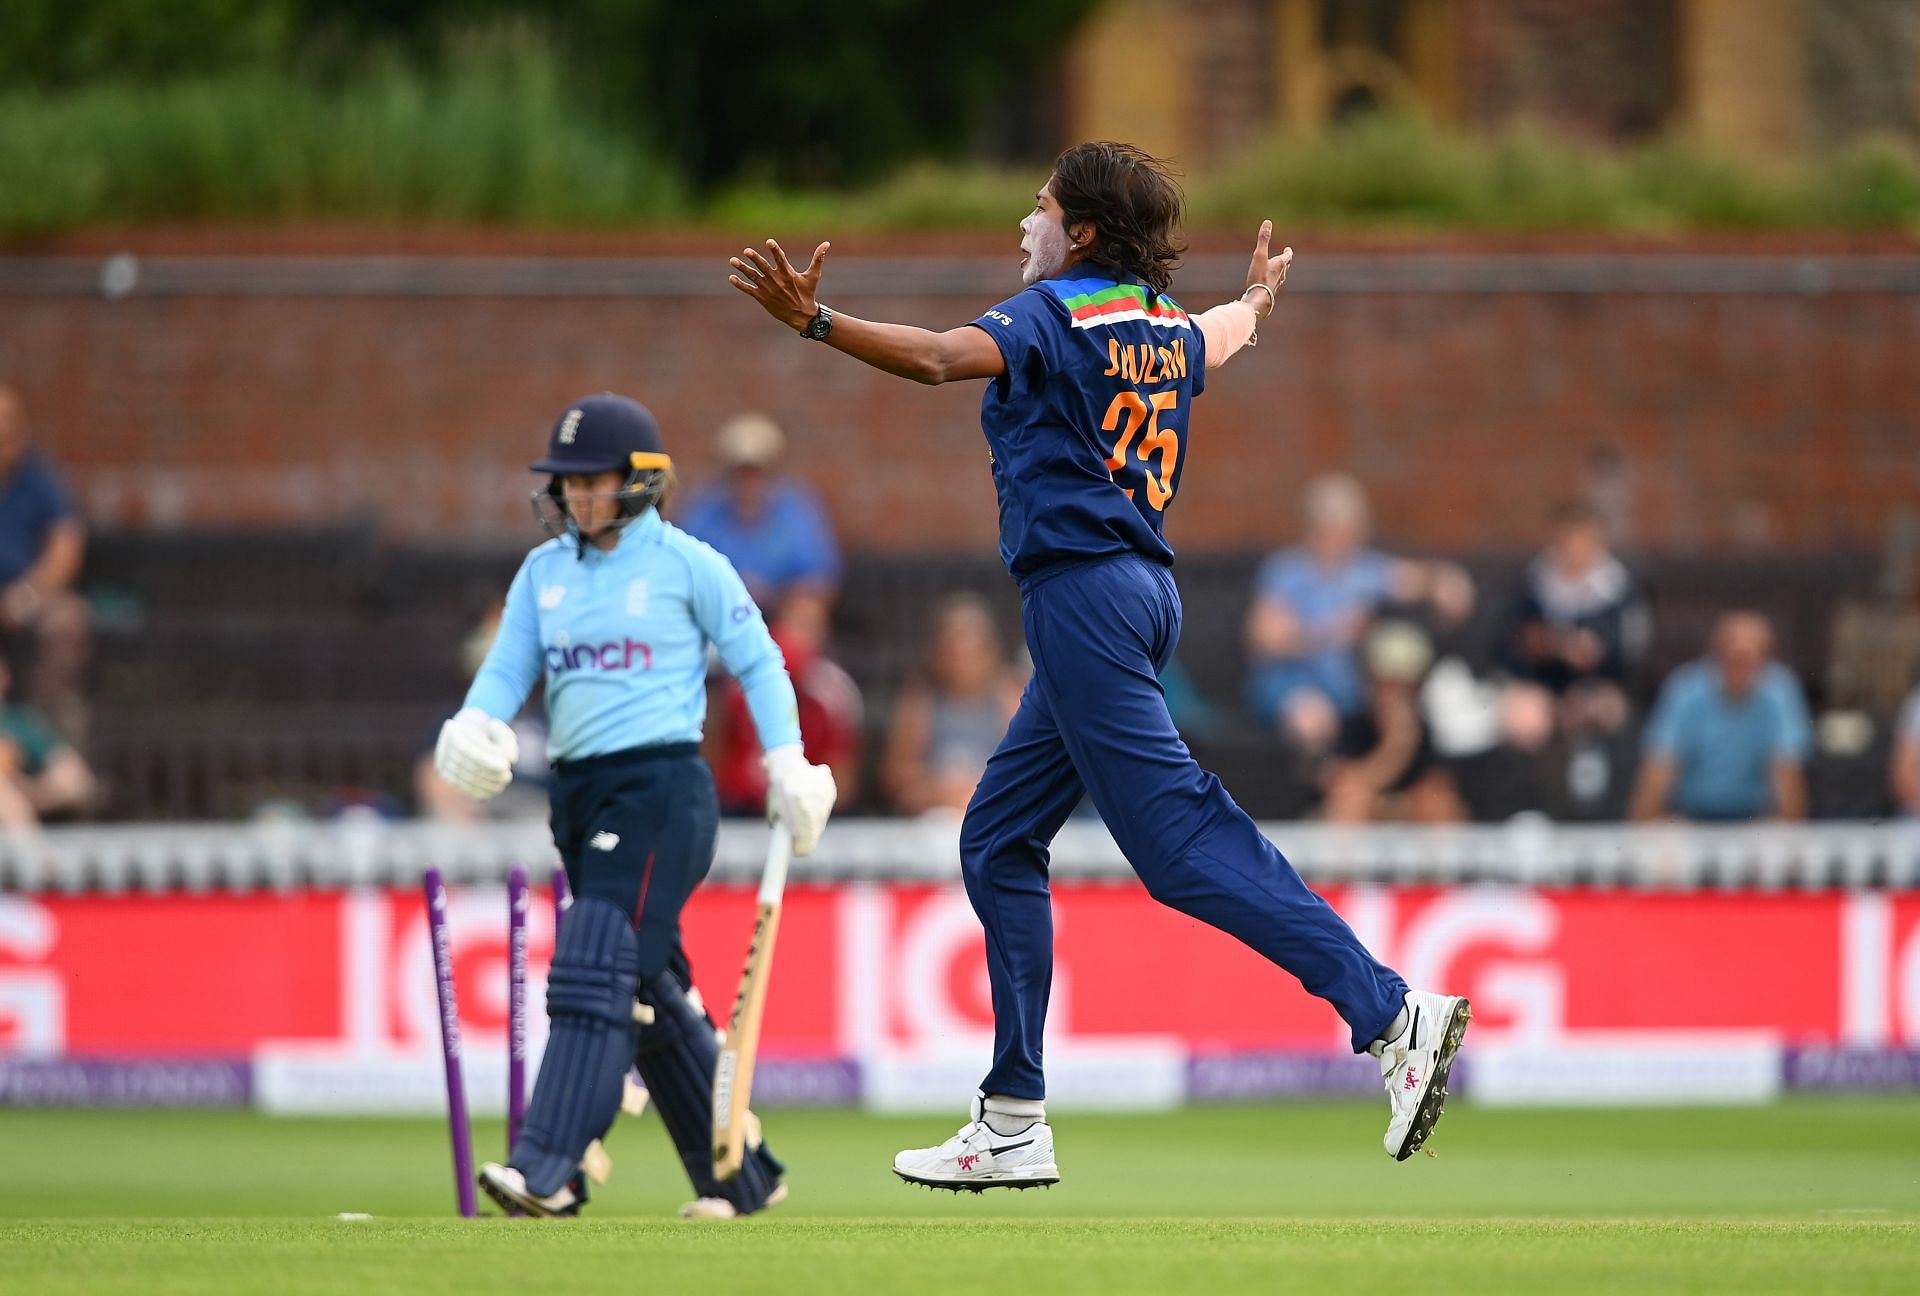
{"type": "Point", "coordinates": [621, 636]}
{"type": "Point", "coordinates": [1087, 429]}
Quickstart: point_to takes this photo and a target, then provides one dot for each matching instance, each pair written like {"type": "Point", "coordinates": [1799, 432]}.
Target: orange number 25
{"type": "Point", "coordinates": [1137, 410]}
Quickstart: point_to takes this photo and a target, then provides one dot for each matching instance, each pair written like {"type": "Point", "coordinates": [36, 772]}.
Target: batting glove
{"type": "Point", "coordinates": [799, 795]}
{"type": "Point", "coordinates": [476, 753]}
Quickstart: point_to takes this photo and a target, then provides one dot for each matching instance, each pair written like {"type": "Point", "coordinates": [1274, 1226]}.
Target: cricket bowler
{"type": "Point", "coordinates": [1091, 373]}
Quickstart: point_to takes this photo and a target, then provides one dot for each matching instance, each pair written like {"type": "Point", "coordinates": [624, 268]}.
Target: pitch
{"type": "Point", "coordinates": [1801, 1196]}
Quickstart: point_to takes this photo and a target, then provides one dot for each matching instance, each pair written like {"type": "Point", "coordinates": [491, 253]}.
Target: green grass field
{"type": "Point", "coordinates": [1804, 1196]}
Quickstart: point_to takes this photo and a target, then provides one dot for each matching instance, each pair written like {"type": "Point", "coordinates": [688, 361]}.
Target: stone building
{"type": "Point", "coordinates": [1748, 75]}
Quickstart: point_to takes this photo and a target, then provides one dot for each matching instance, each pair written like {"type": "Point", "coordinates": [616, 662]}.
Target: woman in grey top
{"type": "Point", "coordinates": [947, 723]}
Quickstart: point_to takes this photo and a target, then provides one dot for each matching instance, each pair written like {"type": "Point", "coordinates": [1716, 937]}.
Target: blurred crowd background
{"type": "Point", "coordinates": [1578, 475]}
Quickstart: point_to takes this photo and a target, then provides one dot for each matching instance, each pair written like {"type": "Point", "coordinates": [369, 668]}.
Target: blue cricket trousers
{"type": "Point", "coordinates": [1093, 717]}
{"type": "Point", "coordinates": [636, 828]}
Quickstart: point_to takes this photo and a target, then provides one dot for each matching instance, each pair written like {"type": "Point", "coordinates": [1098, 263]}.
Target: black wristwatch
{"type": "Point", "coordinates": [819, 326]}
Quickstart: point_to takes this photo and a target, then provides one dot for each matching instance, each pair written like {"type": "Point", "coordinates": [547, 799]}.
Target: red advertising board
{"type": "Point", "coordinates": [865, 967]}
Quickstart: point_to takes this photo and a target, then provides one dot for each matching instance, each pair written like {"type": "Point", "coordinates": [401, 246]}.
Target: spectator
{"type": "Point", "coordinates": [1312, 605]}
{"type": "Point", "coordinates": [1578, 625]}
{"type": "Point", "coordinates": [43, 622]}
{"type": "Point", "coordinates": [831, 717]}
{"type": "Point", "coordinates": [773, 529]}
{"type": "Point", "coordinates": [41, 775]}
{"type": "Point", "coordinates": [1729, 737]}
{"type": "Point", "coordinates": [1384, 764]}
{"type": "Point", "coordinates": [1906, 758]}
{"type": "Point", "coordinates": [947, 723]}
{"type": "Point", "coordinates": [1193, 714]}
{"type": "Point", "coordinates": [1575, 635]}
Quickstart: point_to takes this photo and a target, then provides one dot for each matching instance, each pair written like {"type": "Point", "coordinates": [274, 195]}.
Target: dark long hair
{"type": "Point", "coordinates": [1131, 198]}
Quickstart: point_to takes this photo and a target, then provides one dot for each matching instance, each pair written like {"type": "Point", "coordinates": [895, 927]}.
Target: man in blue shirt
{"type": "Point", "coordinates": [773, 529]}
{"type": "Point", "coordinates": [42, 543]}
{"type": "Point", "coordinates": [1729, 737]}
{"type": "Point", "coordinates": [1092, 372]}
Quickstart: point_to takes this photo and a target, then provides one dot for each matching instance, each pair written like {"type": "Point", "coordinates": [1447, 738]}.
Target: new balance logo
{"type": "Point", "coordinates": [604, 841]}
{"type": "Point", "coordinates": [570, 427]}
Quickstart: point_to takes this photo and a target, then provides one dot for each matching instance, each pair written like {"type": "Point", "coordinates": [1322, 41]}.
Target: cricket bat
{"type": "Point", "coordinates": [733, 1074]}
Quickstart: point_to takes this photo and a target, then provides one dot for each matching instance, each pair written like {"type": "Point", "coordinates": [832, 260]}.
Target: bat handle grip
{"type": "Point", "coordinates": [773, 878]}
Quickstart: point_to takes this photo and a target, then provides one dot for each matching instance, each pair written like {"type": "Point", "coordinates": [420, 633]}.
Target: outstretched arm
{"type": "Point", "coordinates": [1229, 327]}
{"type": "Point", "coordinates": [791, 296]}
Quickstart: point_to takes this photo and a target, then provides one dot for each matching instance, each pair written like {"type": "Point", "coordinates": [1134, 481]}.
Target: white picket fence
{"type": "Point", "coordinates": [286, 855]}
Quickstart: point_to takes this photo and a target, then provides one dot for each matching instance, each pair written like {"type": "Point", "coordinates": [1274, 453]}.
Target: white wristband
{"type": "Point", "coordinates": [1253, 338]}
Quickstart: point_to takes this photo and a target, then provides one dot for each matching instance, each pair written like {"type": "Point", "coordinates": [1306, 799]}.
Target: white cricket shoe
{"type": "Point", "coordinates": [719, 1208]}
{"type": "Point", "coordinates": [1415, 1066]}
{"type": "Point", "coordinates": [508, 1187]}
{"type": "Point", "coordinates": [978, 1158]}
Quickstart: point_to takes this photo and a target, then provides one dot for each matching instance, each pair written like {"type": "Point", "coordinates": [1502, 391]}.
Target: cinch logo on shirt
{"type": "Point", "coordinates": [606, 656]}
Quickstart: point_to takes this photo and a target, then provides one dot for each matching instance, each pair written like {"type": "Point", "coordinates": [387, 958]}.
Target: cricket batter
{"type": "Point", "coordinates": [1092, 372]}
{"type": "Point", "coordinates": [615, 613]}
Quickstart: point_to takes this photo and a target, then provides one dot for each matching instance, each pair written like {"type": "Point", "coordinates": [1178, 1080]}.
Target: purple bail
{"type": "Point", "coordinates": [516, 1002]}
{"type": "Point", "coordinates": [457, 1127]}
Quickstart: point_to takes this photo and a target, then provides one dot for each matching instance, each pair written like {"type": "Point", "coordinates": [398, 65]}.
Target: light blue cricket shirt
{"type": "Point", "coordinates": [622, 637]}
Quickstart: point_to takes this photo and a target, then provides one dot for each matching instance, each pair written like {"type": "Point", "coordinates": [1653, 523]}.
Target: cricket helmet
{"type": "Point", "coordinates": [596, 434]}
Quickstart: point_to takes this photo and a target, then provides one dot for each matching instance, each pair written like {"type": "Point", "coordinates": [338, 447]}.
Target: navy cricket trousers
{"type": "Point", "coordinates": [1093, 717]}
{"type": "Point", "coordinates": [637, 828]}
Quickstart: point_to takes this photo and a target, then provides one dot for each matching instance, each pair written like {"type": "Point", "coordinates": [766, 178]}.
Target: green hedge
{"type": "Point", "coordinates": [494, 139]}
{"type": "Point", "coordinates": [836, 93]}
{"type": "Point", "coordinates": [495, 136]}
{"type": "Point", "coordinates": [1398, 173]}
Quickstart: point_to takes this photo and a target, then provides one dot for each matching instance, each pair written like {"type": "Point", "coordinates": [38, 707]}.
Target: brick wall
{"type": "Point", "coordinates": [1747, 419]}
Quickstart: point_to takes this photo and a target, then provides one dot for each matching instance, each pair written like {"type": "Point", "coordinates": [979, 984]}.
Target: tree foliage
{"type": "Point", "coordinates": [761, 89]}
